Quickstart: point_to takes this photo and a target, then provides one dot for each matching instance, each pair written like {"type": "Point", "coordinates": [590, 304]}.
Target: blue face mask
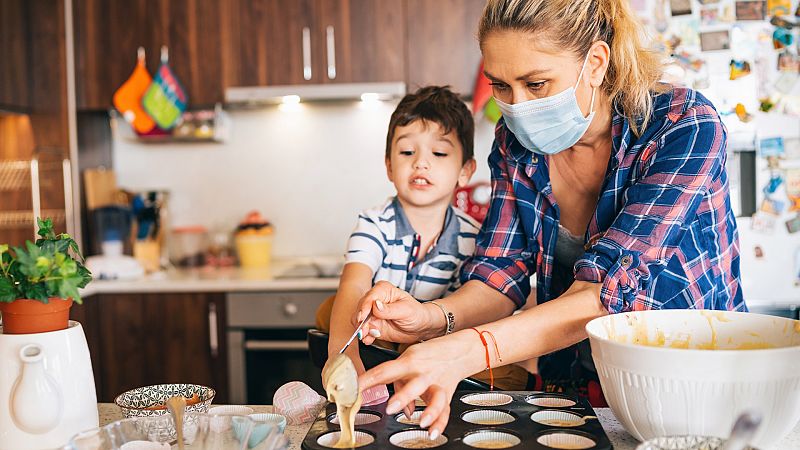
{"type": "Point", "coordinates": [548, 125]}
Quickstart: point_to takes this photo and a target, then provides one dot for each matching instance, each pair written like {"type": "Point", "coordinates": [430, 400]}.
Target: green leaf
{"type": "Point", "coordinates": [46, 228]}
{"type": "Point", "coordinates": [86, 276]}
{"type": "Point", "coordinates": [7, 291]}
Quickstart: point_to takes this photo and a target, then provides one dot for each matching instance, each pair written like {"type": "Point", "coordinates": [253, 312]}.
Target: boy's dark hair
{"type": "Point", "coordinates": [436, 104]}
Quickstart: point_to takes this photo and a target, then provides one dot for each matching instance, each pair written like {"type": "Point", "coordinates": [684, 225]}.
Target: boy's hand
{"type": "Point", "coordinates": [396, 316]}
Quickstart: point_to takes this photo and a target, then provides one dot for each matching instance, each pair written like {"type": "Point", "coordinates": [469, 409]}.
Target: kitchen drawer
{"type": "Point", "coordinates": [274, 309]}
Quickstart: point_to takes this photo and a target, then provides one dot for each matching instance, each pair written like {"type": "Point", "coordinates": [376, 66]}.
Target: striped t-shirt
{"type": "Point", "coordinates": [385, 241]}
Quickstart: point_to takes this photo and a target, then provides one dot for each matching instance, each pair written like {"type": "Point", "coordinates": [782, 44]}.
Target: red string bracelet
{"type": "Point", "coordinates": [488, 359]}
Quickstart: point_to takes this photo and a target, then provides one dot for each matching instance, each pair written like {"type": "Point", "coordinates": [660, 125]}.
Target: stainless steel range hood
{"type": "Point", "coordinates": [265, 95]}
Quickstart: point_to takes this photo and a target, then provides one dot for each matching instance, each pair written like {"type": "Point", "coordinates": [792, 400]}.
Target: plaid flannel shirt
{"type": "Point", "coordinates": [663, 234]}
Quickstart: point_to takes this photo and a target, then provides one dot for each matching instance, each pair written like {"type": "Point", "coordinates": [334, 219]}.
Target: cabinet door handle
{"type": "Point", "coordinates": [36, 199]}
{"type": "Point", "coordinates": [306, 53]}
{"type": "Point", "coordinates": [276, 346]}
{"type": "Point", "coordinates": [66, 169]}
{"type": "Point", "coordinates": [331, 40]}
{"type": "Point", "coordinates": [213, 337]}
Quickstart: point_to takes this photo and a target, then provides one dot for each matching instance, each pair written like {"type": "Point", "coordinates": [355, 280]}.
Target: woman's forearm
{"type": "Point", "coordinates": [543, 329]}
{"type": "Point", "coordinates": [472, 304]}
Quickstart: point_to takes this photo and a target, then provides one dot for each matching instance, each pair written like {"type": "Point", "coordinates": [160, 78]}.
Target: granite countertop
{"type": "Point", "coordinates": [284, 275]}
{"type": "Point", "coordinates": [620, 439]}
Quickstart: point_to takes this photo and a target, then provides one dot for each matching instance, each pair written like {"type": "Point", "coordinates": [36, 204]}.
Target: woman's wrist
{"type": "Point", "coordinates": [474, 353]}
{"type": "Point", "coordinates": [436, 322]}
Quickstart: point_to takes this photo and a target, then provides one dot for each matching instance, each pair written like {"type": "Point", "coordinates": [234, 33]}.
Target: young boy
{"type": "Point", "coordinates": [416, 240]}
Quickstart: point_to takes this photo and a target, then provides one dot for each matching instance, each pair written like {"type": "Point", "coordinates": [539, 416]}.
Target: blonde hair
{"type": "Point", "coordinates": [633, 70]}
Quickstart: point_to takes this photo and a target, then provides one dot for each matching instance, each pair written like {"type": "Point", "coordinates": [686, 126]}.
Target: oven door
{"type": "Point", "coordinates": [267, 343]}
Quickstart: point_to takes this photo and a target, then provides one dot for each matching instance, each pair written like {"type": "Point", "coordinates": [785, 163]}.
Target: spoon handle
{"type": "Point", "coordinates": [743, 431]}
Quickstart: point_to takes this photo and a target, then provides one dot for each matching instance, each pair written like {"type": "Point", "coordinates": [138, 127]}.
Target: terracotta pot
{"type": "Point", "coordinates": [24, 316]}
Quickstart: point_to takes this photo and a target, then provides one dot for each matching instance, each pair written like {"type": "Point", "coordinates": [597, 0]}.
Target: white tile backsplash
{"type": "Point", "coordinates": [308, 170]}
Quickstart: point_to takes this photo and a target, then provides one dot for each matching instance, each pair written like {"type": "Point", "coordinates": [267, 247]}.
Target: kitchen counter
{"type": "Point", "coordinates": [283, 275]}
{"type": "Point", "coordinates": [620, 439]}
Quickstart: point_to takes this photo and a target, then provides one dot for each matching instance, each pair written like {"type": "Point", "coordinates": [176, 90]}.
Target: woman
{"type": "Point", "coordinates": [607, 185]}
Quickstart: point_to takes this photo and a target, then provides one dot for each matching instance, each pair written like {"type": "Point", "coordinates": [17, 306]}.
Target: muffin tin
{"type": "Point", "coordinates": [495, 420]}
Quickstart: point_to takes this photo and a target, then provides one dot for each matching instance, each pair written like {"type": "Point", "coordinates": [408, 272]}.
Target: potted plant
{"type": "Point", "coordinates": [39, 282]}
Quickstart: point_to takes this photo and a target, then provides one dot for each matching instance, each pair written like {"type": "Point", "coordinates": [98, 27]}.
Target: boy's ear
{"type": "Point", "coordinates": [467, 170]}
{"type": "Point", "coordinates": [388, 162]}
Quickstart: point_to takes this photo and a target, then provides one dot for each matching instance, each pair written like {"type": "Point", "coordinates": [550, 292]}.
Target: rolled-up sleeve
{"type": "Point", "coordinates": [503, 259]}
{"type": "Point", "coordinates": [678, 169]}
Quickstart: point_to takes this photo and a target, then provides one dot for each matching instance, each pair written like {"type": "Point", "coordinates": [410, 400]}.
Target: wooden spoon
{"type": "Point", "coordinates": [176, 406]}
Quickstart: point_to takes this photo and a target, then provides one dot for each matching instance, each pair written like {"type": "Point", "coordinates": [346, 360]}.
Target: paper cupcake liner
{"type": "Point", "coordinates": [564, 440]}
{"type": "Point", "coordinates": [416, 439]}
{"type": "Point", "coordinates": [488, 399]}
{"type": "Point", "coordinates": [414, 420]}
{"type": "Point", "coordinates": [549, 401]}
{"type": "Point", "coordinates": [297, 402]}
{"type": "Point", "coordinates": [230, 410]}
{"type": "Point", "coordinates": [362, 418]}
{"type": "Point", "coordinates": [330, 439]}
{"type": "Point", "coordinates": [491, 439]}
{"type": "Point", "coordinates": [557, 418]}
{"type": "Point", "coordinates": [487, 417]}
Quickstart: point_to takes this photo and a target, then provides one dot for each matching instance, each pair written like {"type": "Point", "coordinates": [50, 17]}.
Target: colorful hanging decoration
{"type": "Point", "coordinates": [165, 99]}
{"type": "Point", "coordinates": [128, 98]}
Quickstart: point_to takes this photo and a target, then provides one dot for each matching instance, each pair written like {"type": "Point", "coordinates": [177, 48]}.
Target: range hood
{"type": "Point", "coordinates": [293, 93]}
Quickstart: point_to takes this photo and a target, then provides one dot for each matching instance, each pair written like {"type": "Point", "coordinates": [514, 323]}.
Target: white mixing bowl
{"type": "Point", "coordinates": [691, 372]}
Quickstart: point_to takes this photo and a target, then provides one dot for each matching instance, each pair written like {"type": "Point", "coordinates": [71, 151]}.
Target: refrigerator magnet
{"type": "Point", "coordinates": [793, 224]}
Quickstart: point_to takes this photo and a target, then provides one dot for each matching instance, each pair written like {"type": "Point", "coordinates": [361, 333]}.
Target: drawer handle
{"type": "Point", "coordinates": [331, 41]}
{"type": "Point", "coordinates": [213, 337]}
{"type": "Point", "coordinates": [280, 346]}
{"type": "Point", "coordinates": [306, 53]}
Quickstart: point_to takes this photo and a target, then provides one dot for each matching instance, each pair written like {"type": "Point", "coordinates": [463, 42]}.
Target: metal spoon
{"type": "Point", "coordinates": [743, 431]}
{"type": "Point", "coordinates": [176, 406]}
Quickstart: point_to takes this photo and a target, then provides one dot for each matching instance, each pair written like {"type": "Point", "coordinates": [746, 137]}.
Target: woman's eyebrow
{"type": "Point", "coordinates": [519, 78]}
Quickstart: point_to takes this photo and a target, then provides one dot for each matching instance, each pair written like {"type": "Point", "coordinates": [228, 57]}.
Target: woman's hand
{"type": "Point", "coordinates": [396, 316]}
{"type": "Point", "coordinates": [431, 371]}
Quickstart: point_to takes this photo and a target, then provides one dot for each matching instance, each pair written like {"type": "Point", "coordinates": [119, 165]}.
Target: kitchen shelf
{"type": "Point", "coordinates": [31, 175]}
{"type": "Point", "coordinates": [24, 219]}
{"type": "Point", "coordinates": [196, 126]}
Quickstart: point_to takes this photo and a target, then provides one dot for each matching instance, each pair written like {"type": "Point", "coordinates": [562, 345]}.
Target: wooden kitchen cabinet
{"type": "Point", "coordinates": [442, 43]}
{"type": "Point", "coordinates": [362, 40]}
{"type": "Point", "coordinates": [143, 339]}
{"type": "Point", "coordinates": [271, 43]}
{"type": "Point", "coordinates": [14, 54]}
{"type": "Point", "coordinates": [108, 32]}
{"type": "Point", "coordinates": [279, 42]}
